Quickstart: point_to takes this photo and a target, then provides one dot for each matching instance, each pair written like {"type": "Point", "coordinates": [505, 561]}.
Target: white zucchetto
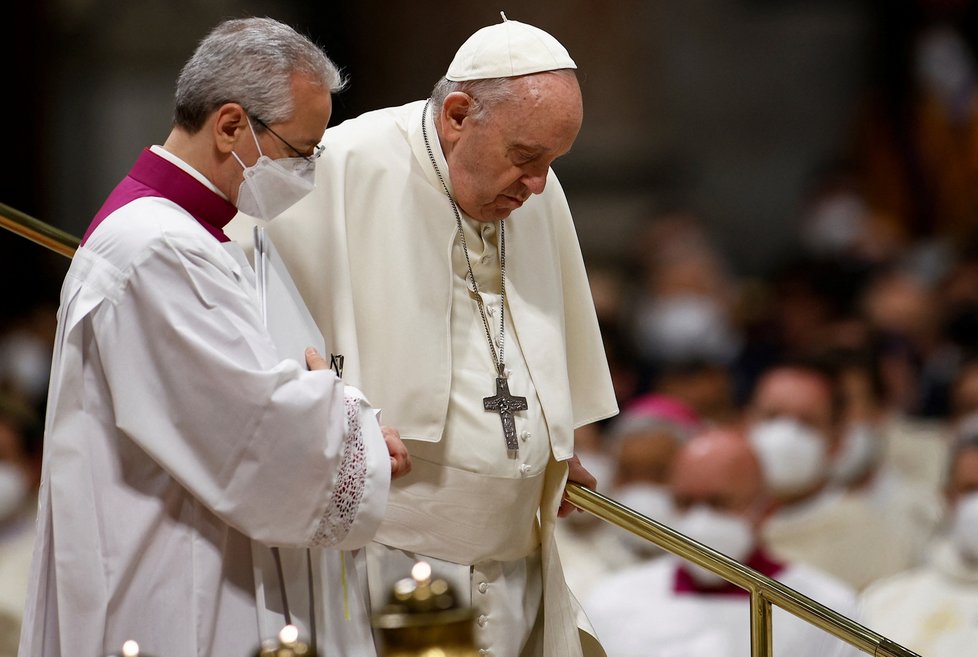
{"type": "Point", "coordinates": [505, 50]}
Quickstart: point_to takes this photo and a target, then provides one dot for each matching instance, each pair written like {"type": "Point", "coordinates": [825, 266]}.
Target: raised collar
{"type": "Point", "coordinates": [155, 176]}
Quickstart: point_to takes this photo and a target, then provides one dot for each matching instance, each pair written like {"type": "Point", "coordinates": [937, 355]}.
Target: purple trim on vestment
{"type": "Point", "coordinates": [153, 175]}
{"type": "Point", "coordinates": [759, 561]}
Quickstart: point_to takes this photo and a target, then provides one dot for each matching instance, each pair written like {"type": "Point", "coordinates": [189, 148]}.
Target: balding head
{"type": "Point", "coordinates": [718, 469]}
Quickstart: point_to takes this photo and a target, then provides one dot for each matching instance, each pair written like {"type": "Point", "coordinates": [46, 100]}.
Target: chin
{"type": "Point", "coordinates": [497, 212]}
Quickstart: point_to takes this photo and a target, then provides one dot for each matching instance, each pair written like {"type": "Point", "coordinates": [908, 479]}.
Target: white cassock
{"type": "Point", "coordinates": [843, 534]}
{"type": "Point", "coordinates": [375, 255]}
{"type": "Point", "coordinates": [638, 612]}
{"type": "Point", "coordinates": [178, 445]}
{"type": "Point", "coordinates": [932, 610]}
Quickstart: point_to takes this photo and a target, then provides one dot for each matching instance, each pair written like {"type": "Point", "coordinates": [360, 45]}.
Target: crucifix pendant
{"type": "Point", "coordinates": [504, 403]}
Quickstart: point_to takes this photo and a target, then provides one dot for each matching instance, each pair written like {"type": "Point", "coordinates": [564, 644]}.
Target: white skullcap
{"type": "Point", "coordinates": [506, 50]}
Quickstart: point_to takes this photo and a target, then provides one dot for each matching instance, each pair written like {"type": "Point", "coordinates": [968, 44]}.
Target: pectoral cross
{"type": "Point", "coordinates": [504, 403]}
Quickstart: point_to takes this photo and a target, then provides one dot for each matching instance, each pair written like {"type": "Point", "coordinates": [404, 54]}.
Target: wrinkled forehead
{"type": "Point", "coordinates": [542, 115]}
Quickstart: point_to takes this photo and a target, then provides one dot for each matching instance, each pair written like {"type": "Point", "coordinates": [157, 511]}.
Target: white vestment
{"type": "Point", "coordinates": [177, 444]}
{"type": "Point", "coordinates": [932, 610]}
{"type": "Point", "coordinates": [375, 254]}
{"type": "Point", "coordinates": [842, 534]}
{"type": "Point", "coordinates": [638, 612]}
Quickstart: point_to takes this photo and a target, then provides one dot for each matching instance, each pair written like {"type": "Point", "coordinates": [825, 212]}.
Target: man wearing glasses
{"type": "Point", "coordinates": [179, 445]}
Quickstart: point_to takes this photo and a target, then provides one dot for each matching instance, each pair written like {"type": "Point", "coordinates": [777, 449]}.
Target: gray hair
{"type": "Point", "coordinates": [486, 93]}
{"type": "Point", "coordinates": [249, 61]}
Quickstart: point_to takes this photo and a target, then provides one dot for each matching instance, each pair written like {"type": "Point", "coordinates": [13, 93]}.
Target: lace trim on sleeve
{"type": "Point", "coordinates": [348, 491]}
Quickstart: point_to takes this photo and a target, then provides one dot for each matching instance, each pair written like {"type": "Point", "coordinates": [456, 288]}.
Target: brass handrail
{"type": "Point", "coordinates": [763, 590]}
{"type": "Point", "coordinates": [37, 231]}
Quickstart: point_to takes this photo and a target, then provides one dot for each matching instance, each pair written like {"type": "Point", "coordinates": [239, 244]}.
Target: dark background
{"type": "Point", "coordinates": [726, 108]}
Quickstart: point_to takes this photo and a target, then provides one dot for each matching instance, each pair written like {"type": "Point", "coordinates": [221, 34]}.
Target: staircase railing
{"type": "Point", "coordinates": [764, 591]}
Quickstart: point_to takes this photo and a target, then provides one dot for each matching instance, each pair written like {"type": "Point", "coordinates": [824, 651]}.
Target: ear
{"type": "Point", "coordinates": [227, 124]}
{"type": "Point", "coordinates": [456, 108]}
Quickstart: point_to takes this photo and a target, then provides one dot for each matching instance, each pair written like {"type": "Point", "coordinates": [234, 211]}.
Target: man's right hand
{"type": "Point", "coordinates": [400, 459]}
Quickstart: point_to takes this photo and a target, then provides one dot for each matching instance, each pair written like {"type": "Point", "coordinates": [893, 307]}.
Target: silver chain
{"type": "Point", "coordinates": [497, 359]}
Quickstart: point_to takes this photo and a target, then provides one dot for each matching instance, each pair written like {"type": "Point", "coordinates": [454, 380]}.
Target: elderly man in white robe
{"type": "Point", "coordinates": [666, 607]}
{"type": "Point", "coordinates": [933, 609]}
{"type": "Point", "coordinates": [439, 256]}
{"type": "Point", "coordinates": [179, 445]}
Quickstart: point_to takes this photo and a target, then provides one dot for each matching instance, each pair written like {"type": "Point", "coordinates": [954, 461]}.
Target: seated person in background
{"type": "Point", "coordinates": [933, 609]}
{"type": "Point", "coordinates": [866, 465]}
{"type": "Point", "coordinates": [668, 607]}
{"type": "Point", "coordinates": [794, 419]}
{"type": "Point", "coordinates": [645, 441]}
{"type": "Point", "coordinates": [632, 465]}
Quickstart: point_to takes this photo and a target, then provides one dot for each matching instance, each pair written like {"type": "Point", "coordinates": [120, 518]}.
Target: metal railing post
{"type": "Point", "coordinates": [761, 627]}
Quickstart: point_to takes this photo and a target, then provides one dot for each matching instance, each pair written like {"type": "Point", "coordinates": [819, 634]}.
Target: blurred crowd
{"type": "Point", "coordinates": [820, 425]}
{"type": "Point", "coordinates": [818, 422]}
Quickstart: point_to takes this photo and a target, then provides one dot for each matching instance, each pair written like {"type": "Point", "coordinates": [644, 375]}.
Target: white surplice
{"type": "Point", "coordinates": [178, 442]}
{"type": "Point", "coordinates": [639, 613]}
{"type": "Point", "coordinates": [374, 252]}
{"type": "Point", "coordinates": [932, 610]}
{"type": "Point", "coordinates": [843, 534]}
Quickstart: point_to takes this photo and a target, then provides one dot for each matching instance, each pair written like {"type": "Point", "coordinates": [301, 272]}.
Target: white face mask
{"type": "Point", "coordinates": [794, 457]}
{"type": "Point", "coordinates": [13, 490]}
{"type": "Point", "coordinates": [944, 65]}
{"type": "Point", "coordinates": [270, 187]}
{"type": "Point", "coordinates": [964, 526]}
{"type": "Point", "coordinates": [686, 327]}
{"type": "Point", "coordinates": [861, 450]}
{"type": "Point", "coordinates": [724, 532]}
{"type": "Point", "coordinates": [652, 501]}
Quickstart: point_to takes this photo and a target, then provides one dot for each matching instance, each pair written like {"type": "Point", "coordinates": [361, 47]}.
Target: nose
{"type": "Point", "coordinates": [535, 182]}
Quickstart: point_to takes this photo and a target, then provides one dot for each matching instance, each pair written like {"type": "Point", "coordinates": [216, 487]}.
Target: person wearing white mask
{"type": "Point", "coordinates": [632, 465]}
{"type": "Point", "coordinates": [669, 607]}
{"type": "Point", "coordinates": [179, 444]}
{"type": "Point", "coordinates": [645, 441]}
{"type": "Point", "coordinates": [865, 466]}
{"type": "Point", "coordinates": [589, 547]}
{"type": "Point", "coordinates": [794, 420]}
{"type": "Point", "coordinates": [933, 609]}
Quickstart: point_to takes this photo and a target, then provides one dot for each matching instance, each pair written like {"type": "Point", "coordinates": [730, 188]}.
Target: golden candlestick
{"type": "Point", "coordinates": [423, 619]}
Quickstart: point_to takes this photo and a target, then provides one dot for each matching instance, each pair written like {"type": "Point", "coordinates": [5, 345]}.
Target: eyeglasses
{"type": "Point", "coordinates": [317, 151]}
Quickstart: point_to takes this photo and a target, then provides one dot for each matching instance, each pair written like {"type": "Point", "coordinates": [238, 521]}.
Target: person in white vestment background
{"type": "Point", "coordinates": [20, 472]}
{"type": "Point", "coordinates": [439, 254]}
{"type": "Point", "coordinates": [933, 609]}
{"type": "Point", "coordinates": [667, 607]}
{"type": "Point", "coordinates": [865, 467]}
{"type": "Point", "coordinates": [795, 419]}
{"type": "Point", "coordinates": [642, 444]}
{"type": "Point", "coordinates": [179, 444]}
